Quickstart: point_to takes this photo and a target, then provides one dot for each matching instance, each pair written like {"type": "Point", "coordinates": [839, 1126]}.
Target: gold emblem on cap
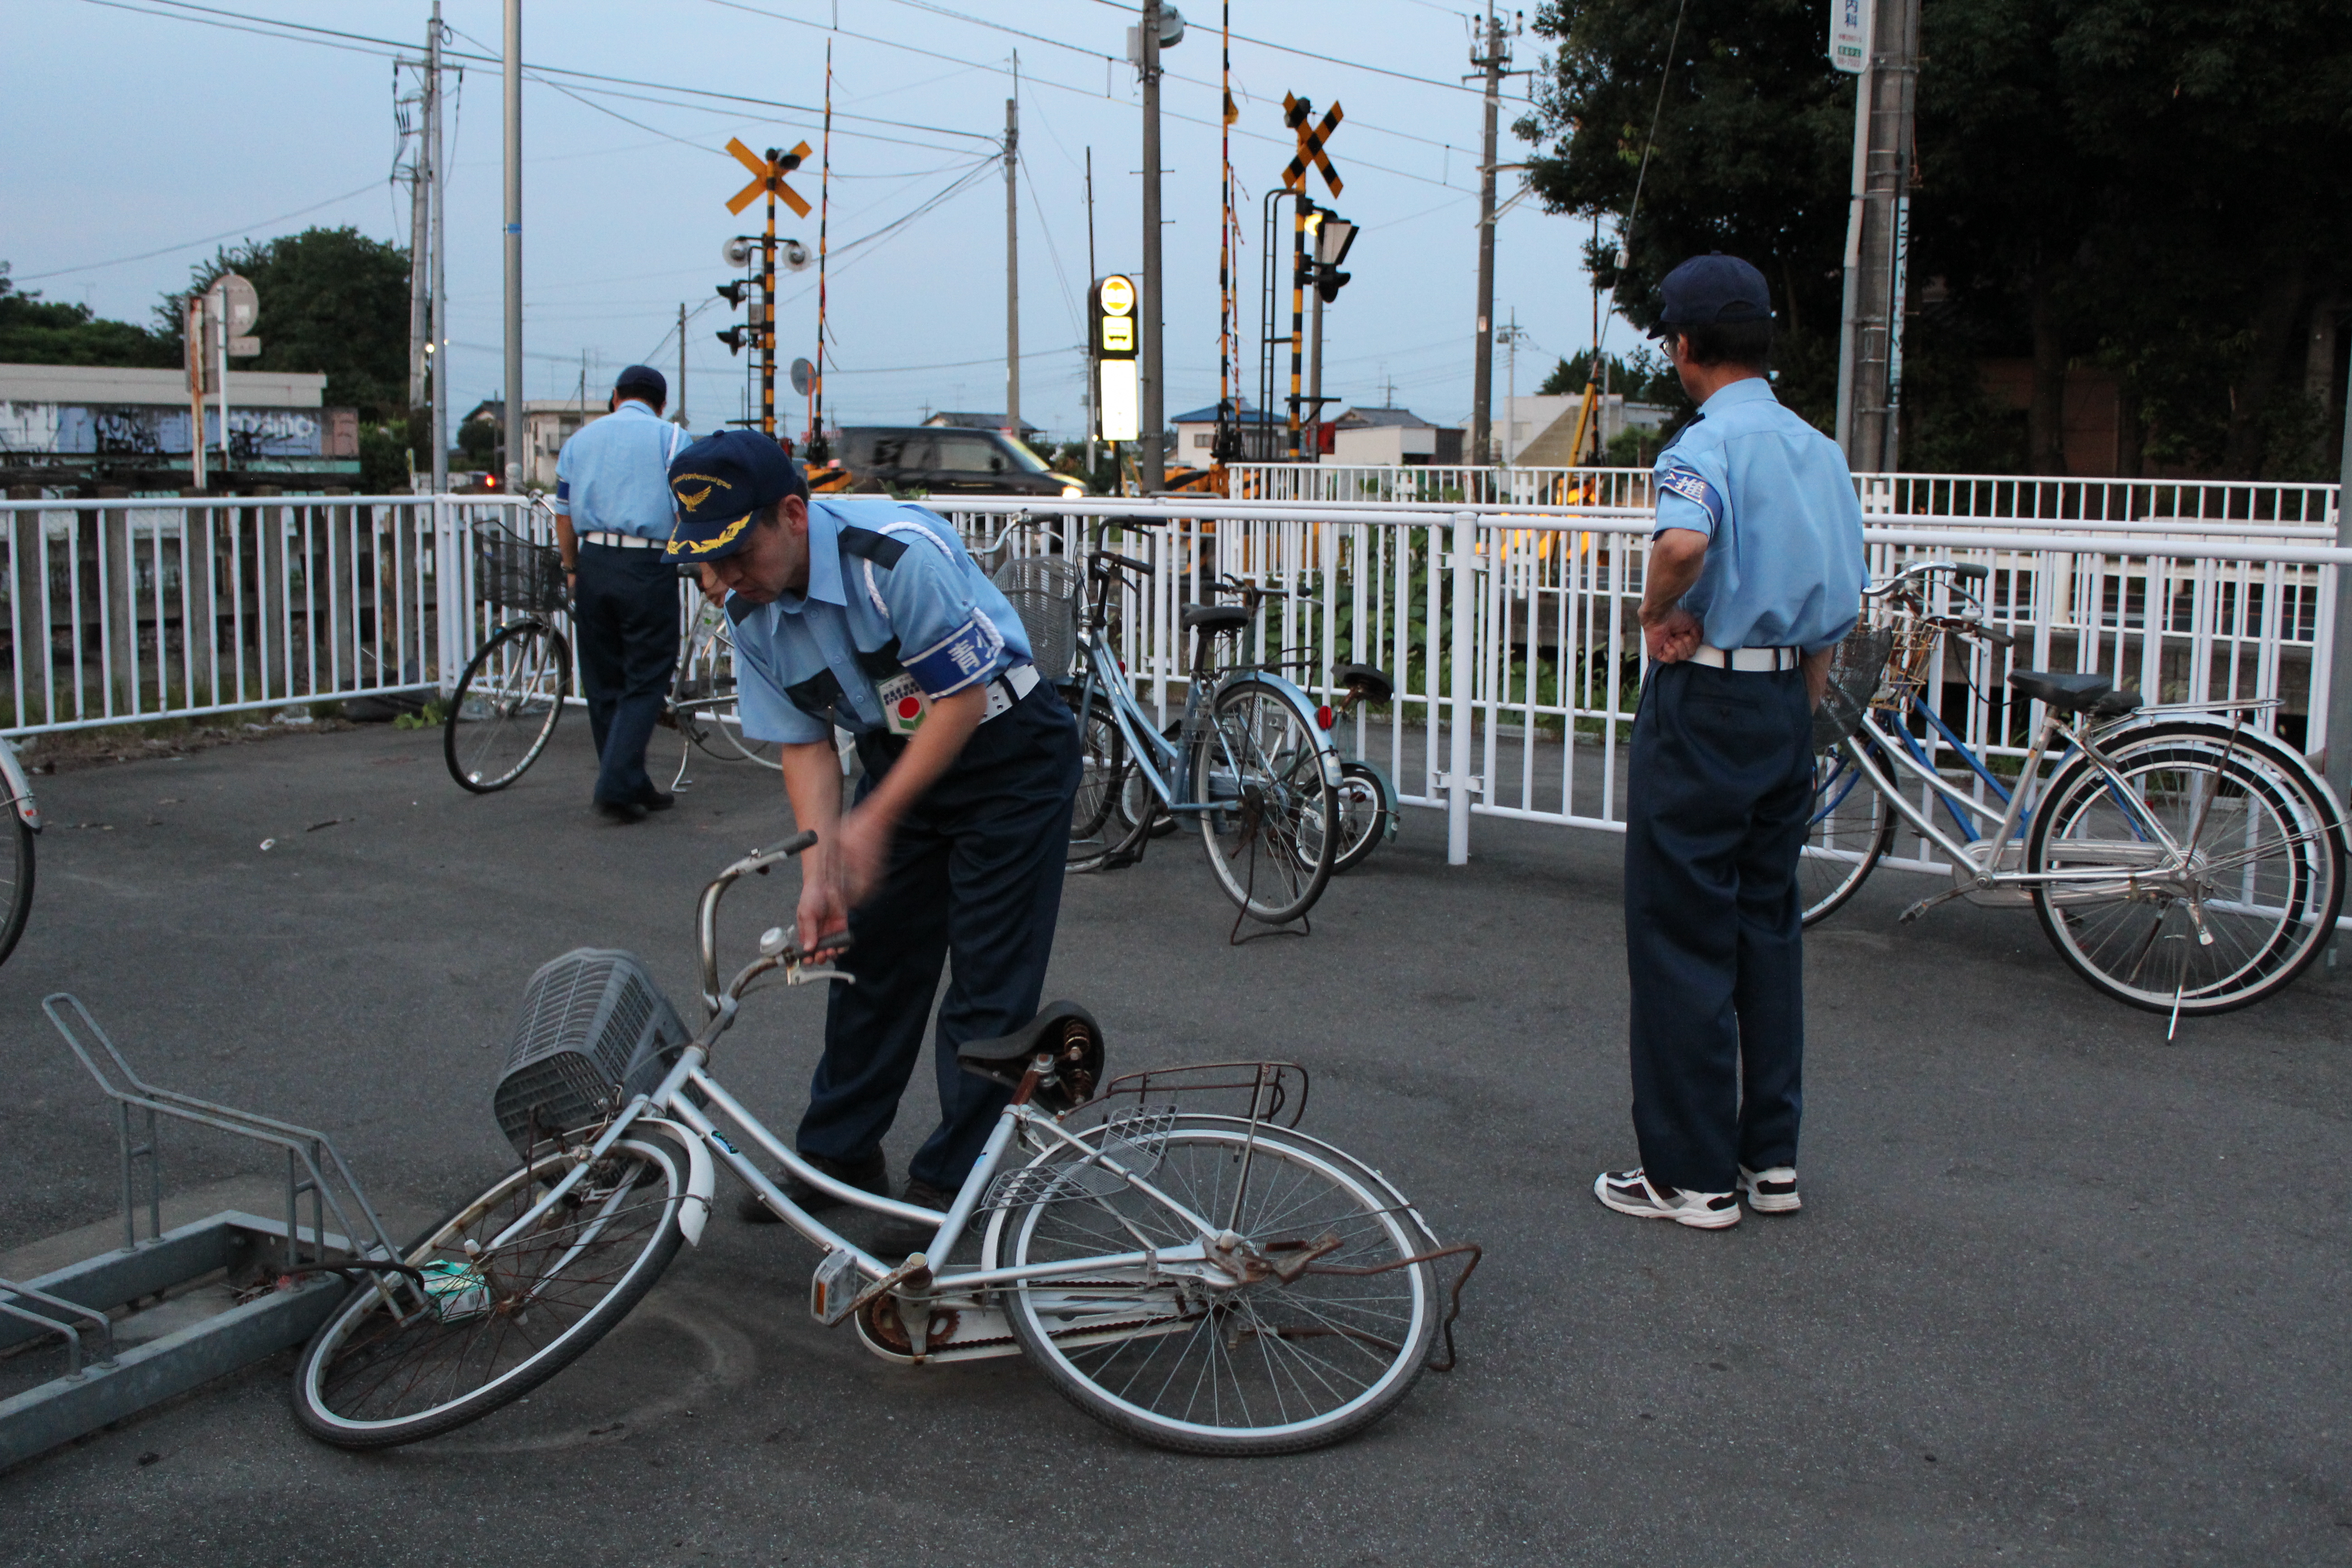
{"type": "Point", "coordinates": [709, 482]}
{"type": "Point", "coordinates": [705, 546]}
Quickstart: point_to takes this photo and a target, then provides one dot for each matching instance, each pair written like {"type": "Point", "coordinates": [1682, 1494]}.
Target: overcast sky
{"type": "Point", "coordinates": [140, 127]}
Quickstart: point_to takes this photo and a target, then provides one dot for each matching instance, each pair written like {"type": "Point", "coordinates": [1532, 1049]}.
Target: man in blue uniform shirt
{"type": "Point", "coordinates": [613, 515]}
{"type": "Point", "coordinates": [1755, 574]}
{"type": "Point", "coordinates": [869, 615]}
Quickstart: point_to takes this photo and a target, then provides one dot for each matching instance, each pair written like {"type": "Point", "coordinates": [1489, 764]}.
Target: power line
{"type": "Point", "coordinates": [1335, 61]}
{"type": "Point", "coordinates": [191, 244]}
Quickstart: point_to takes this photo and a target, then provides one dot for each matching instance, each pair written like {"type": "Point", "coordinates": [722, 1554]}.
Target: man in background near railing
{"type": "Point", "coordinates": [612, 516]}
{"type": "Point", "coordinates": [1755, 574]}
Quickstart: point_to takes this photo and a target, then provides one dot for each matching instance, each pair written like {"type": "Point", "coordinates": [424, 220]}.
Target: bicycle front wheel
{"type": "Point", "coordinates": [1850, 828]}
{"type": "Point", "coordinates": [506, 706]}
{"type": "Point", "coordinates": [1275, 829]}
{"type": "Point", "coordinates": [1102, 768]}
{"type": "Point", "coordinates": [704, 704]}
{"type": "Point", "coordinates": [1365, 813]}
{"type": "Point", "coordinates": [1210, 1364]}
{"type": "Point", "coordinates": [2249, 903]}
{"type": "Point", "coordinates": [15, 884]}
{"type": "Point", "coordinates": [395, 1365]}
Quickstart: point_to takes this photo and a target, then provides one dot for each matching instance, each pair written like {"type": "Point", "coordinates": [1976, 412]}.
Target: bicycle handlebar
{"type": "Point", "coordinates": [1125, 563]}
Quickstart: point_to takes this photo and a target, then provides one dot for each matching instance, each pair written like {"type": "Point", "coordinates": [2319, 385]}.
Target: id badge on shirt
{"type": "Point", "coordinates": [903, 703]}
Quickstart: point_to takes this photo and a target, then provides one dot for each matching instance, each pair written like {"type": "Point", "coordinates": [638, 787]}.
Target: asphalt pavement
{"type": "Point", "coordinates": [2063, 1292]}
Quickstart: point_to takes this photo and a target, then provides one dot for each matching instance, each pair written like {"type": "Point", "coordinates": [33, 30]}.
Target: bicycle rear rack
{"type": "Point", "coordinates": [138, 1365]}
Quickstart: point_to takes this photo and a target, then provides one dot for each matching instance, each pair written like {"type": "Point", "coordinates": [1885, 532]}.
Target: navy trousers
{"type": "Point", "coordinates": [974, 879]}
{"type": "Point", "coordinates": [625, 613]}
{"type": "Point", "coordinates": [1716, 805]}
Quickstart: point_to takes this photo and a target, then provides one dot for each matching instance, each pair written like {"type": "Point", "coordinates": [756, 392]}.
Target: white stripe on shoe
{"type": "Point", "coordinates": [1771, 1192]}
{"type": "Point", "coordinates": [1631, 1191]}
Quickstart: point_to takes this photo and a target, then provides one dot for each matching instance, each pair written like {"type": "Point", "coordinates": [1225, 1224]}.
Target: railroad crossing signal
{"type": "Point", "coordinates": [768, 175]}
{"type": "Point", "coordinates": [1296, 113]}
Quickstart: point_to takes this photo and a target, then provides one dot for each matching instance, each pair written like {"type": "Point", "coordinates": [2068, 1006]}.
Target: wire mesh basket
{"type": "Point", "coordinates": [594, 1030]}
{"type": "Point", "coordinates": [1044, 590]}
{"type": "Point", "coordinates": [1857, 669]}
{"type": "Point", "coordinates": [513, 573]}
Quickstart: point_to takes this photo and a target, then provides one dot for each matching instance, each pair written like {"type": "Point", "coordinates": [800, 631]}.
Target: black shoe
{"type": "Point", "coordinates": [867, 1175]}
{"type": "Point", "coordinates": [656, 800]}
{"type": "Point", "coordinates": [620, 811]}
{"type": "Point", "coordinates": [922, 1194]}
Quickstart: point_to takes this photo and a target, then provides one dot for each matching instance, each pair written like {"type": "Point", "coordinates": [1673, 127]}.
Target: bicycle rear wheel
{"type": "Point", "coordinates": [506, 706]}
{"type": "Point", "coordinates": [1365, 813]}
{"type": "Point", "coordinates": [1273, 1366]}
{"type": "Point", "coordinates": [497, 1323]}
{"type": "Point", "coordinates": [1138, 800]}
{"type": "Point", "coordinates": [1850, 828]}
{"type": "Point", "coordinates": [2254, 907]}
{"type": "Point", "coordinates": [1272, 839]}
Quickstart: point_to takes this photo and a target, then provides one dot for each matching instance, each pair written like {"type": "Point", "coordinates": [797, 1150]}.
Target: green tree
{"type": "Point", "coordinates": [1753, 156]}
{"type": "Point", "coordinates": [333, 300]}
{"type": "Point", "coordinates": [1642, 377]}
{"type": "Point", "coordinates": [33, 331]}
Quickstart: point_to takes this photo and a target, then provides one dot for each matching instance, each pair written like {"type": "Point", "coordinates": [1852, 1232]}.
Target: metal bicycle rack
{"type": "Point", "coordinates": [141, 1307]}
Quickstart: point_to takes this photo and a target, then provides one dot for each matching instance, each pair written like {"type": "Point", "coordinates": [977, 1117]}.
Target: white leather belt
{"type": "Point", "coordinates": [1009, 688]}
{"type": "Point", "coordinates": [1747, 660]}
{"type": "Point", "coordinates": [620, 541]}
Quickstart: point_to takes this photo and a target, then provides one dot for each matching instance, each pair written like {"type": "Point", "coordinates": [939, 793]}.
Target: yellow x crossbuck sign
{"type": "Point", "coordinates": [1296, 113]}
{"type": "Point", "coordinates": [768, 175]}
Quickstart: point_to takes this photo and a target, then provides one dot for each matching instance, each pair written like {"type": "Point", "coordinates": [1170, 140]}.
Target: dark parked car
{"type": "Point", "coordinates": [944, 460]}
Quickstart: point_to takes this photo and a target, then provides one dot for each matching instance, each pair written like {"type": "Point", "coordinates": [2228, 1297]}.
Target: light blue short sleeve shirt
{"type": "Point", "coordinates": [613, 476]}
{"type": "Point", "coordinates": [891, 589]}
{"type": "Point", "coordinates": [1784, 557]}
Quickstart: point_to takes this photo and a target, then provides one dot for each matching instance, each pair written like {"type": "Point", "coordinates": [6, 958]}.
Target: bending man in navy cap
{"type": "Point", "coordinates": [1755, 574]}
{"type": "Point", "coordinates": [611, 516]}
{"type": "Point", "coordinates": [869, 614]}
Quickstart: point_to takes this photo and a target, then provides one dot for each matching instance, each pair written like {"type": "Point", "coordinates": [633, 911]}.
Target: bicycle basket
{"type": "Point", "coordinates": [1043, 590]}
{"type": "Point", "coordinates": [1856, 670]}
{"type": "Point", "coordinates": [512, 571]}
{"type": "Point", "coordinates": [594, 1030]}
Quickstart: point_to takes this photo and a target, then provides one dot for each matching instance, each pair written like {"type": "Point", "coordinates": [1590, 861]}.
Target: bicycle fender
{"type": "Point", "coordinates": [20, 789]}
{"type": "Point", "coordinates": [1388, 797]}
{"type": "Point", "coordinates": [701, 1179]}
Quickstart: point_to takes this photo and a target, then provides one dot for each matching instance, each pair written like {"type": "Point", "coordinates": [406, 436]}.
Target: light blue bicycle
{"type": "Point", "coordinates": [1247, 760]}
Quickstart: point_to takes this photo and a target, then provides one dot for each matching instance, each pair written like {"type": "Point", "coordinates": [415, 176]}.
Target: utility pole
{"type": "Point", "coordinates": [1870, 329]}
{"type": "Point", "coordinates": [1154, 461]}
{"type": "Point", "coordinates": [681, 365]}
{"type": "Point", "coordinates": [438, 342]}
{"type": "Point", "coordinates": [420, 242]}
{"type": "Point", "coordinates": [1482, 391]}
{"type": "Point", "coordinates": [1012, 259]}
{"type": "Point", "coordinates": [1094, 369]}
{"type": "Point", "coordinates": [1510, 338]}
{"type": "Point", "coordinates": [513, 103]}
{"type": "Point", "coordinates": [1314, 448]}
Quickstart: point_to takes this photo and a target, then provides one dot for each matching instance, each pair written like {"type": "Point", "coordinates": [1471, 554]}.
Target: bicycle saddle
{"type": "Point", "coordinates": [1214, 618]}
{"type": "Point", "coordinates": [1373, 683]}
{"type": "Point", "coordinates": [1064, 1028]}
{"type": "Point", "coordinates": [2074, 693]}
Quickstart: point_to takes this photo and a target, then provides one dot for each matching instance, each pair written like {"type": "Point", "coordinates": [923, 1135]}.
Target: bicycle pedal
{"type": "Point", "coordinates": [832, 1292]}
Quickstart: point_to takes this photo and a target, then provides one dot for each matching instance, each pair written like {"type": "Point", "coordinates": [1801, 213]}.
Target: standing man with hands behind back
{"type": "Point", "coordinates": [1755, 574]}
{"type": "Point", "coordinates": [613, 515]}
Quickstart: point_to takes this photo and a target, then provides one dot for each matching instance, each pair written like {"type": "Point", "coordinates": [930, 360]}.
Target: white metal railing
{"type": "Point", "coordinates": [2263, 508]}
{"type": "Point", "coordinates": [1511, 637]}
{"type": "Point", "coordinates": [139, 609]}
{"type": "Point", "coordinates": [1509, 628]}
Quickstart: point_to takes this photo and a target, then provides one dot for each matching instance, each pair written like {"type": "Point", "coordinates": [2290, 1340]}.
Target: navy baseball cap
{"type": "Point", "coordinates": [719, 483]}
{"type": "Point", "coordinates": [641, 381]}
{"type": "Point", "coordinates": [1711, 288]}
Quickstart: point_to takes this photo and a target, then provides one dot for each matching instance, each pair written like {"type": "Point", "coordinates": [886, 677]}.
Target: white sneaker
{"type": "Point", "coordinates": [1629, 1192]}
{"type": "Point", "coordinates": [1771, 1192]}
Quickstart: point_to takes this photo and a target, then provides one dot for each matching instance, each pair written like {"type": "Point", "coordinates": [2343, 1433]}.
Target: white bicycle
{"type": "Point", "coordinates": [1211, 1280]}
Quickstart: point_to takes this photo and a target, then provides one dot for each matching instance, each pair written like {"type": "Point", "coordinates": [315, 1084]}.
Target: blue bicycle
{"type": "Point", "coordinates": [2178, 859]}
{"type": "Point", "coordinates": [1247, 761]}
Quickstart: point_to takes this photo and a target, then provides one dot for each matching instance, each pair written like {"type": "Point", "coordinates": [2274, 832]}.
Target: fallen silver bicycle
{"type": "Point", "coordinates": [1197, 1274]}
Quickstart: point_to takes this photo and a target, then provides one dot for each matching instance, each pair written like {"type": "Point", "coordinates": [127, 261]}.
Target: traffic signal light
{"type": "Point", "coordinates": [733, 337]}
{"type": "Point", "coordinates": [733, 292]}
{"type": "Point", "coordinates": [1334, 238]}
